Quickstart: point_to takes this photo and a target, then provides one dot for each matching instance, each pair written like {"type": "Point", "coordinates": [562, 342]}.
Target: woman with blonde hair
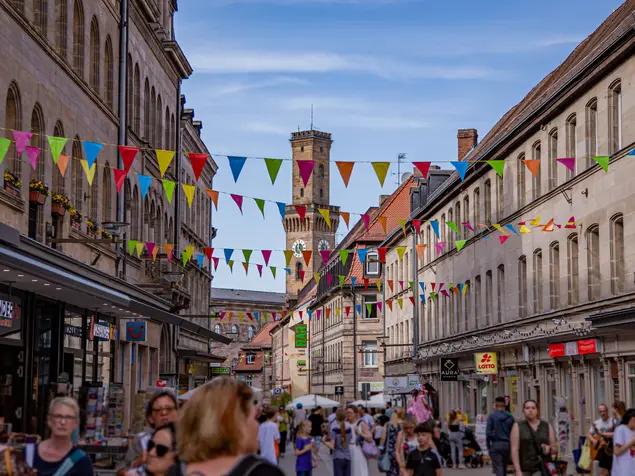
{"type": "Point", "coordinates": [361, 433]}
{"type": "Point", "coordinates": [389, 439]}
{"type": "Point", "coordinates": [456, 432]}
{"type": "Point", "coordinates": [218, 433]}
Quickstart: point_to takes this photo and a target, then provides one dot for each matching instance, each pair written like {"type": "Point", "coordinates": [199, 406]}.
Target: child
{"type": "Point", "coordinates": [339, 440]}
{"type": "Point", "coordinates": [269, 436]}
{"type": "Point", "coordinates": [423, 461]}
{"type": "Point", "coordinates": [303, 446]}
{"type": "Point", "coordinates": [379, 430]}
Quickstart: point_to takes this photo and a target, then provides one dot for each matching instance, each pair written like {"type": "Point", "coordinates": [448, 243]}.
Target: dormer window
{"type": "Point", "coordinates": [372, 264]}
{"type": "Point", "coordinates": [251, 358]}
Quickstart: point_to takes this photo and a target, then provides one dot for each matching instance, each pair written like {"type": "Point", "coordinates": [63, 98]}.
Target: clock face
{"type": "Point", "coordinates": [298, 247]}
{"type": "Point", "coordinates": [323, 245]}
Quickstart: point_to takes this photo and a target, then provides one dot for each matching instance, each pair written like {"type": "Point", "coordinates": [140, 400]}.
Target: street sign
{"type": "Point", "coordinates": [339, 390]}
{"type": "Point", "coordinates": [300, 336]}
{"type": "Point", "coordinates": [220, 370]}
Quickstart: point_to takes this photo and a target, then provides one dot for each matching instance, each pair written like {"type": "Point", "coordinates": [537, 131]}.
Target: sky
{"type": "Point", "coordinates": [383, 76]}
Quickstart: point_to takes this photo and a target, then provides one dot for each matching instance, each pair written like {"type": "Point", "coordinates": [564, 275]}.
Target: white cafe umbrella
{"type": "Point", "coordinates": [311, 401]}
{"type": "Point", "coordinates": [376, 401]}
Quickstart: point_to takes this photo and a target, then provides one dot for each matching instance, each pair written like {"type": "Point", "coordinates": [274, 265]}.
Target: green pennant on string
{"type": "Point", "coordinates": [247, 255]}
{"type": "Point", "coordinates": [460, 244]}
{"type": "Point", "coordinates": [344, 256]}
{"type": "Point", "coordinates": [261, 205]}
{"type": "Point", "coordinates": [497, 165]}
{"type": "Point", "coordinates": [273, 167]}
{"type": "Point", "coordinates": [342, 279]}
{"type": "Point", "coordinates": [412, 286]}
{"type": "Point", "coordinates": [132, 245]}
{"type": "Point", "coordinates": [230, 263]}
{"type": "Point", "coordinates": [603, 161]}
{"type": "Point", "coordinates": [57, 145]}
{"type": "Point", "coordinates": [273, 271]}
{"type": "Point", "coordinates": [369, 308]}
{"type": "Point", "coordinates": [184, 257]}
{"type": "Point", "coordinates": [4, 147]}
{"type": "Point", "coordinates": [168, 186]}
{"type": "Point", "coordinates": [452, 226]}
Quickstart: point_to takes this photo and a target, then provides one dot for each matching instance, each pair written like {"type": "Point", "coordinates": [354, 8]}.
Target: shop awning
{"type": "Point", "coordinates": [619, 318]}
{"type": "Point", "coordinates": [200, 356]}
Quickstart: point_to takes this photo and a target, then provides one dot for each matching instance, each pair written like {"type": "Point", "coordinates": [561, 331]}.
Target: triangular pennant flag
{"type": "Point", "coordinates": [369, 309]}
{"type": "Point", "coordinates": [420, 249]}
{"type": "Point", "coordinates": [236, 165]}
{"type": "Point", "coordinates": [247, 255]}
{"type": "Point", "coordinates": [345, 216]}
{"type": "Point", "coordinates": [366, 281]}
{"type": "Point", "coordinates": [208, 252]}
{"type": "Point", "coordinates": [306, 169]}
{"type": "Point", "coordinates": [461, 168]}
{"type": "Point", "coordinates": [389, 303]}
{"type": "Point", "coordinates": [259, 266]}
{"type": "Point", "coordinates": [382, 254]}
{"type": "Point", "coordinates": [144, 184]}
{"type": "Point", "coordinates": [510, 227]}
{"type": "Point", "coordinates": [282, 208]}
{"type": "Point", "coordinates": [467, 225]}
{"type": "Point", "coordinates": [344, 256]}
{"type": "Point", "coordinates": [140, 246]}
{"type": "Point", "coordinates": [498, 166]}
{"type": "Point", "coordinates": [329, 279]}
{"type": "Point", "coordinates": [301, 211]}
{"type": "Point", "coordinates": [533, 165]}
{"type": "Point", "coordinates": [434, 286]}
{"type": "Point", "coordinates": [189, 193]}
{"type": "Point", "coordinates": [57, 145]}
{"type": "Point", "coordinates": [199, 260]}
{"type": "Point", "coordinates": [460, 244]}
{"type": "Point", "coordinates": [390, 284]}
{"type": "Point", "coordinates": [169, 250]}
{"type": "Point", "coordinates": [89, 171]}
{"type": "Point", "coordinates": [503, 238]}
{"type": "Point", "coordinates": [273, 167]}
{"type": "Point", "coordinates": [402, 223]}
{"type": "Point", "coordinates": [215, 260]}
{"type": "Point", "coordinates": [401, 284]}
{"type": "Point", "coordinates": [21, 140]}
{"type": "Point", "coordinates": [306, 254]}
{"type": "Point", "coordinates": [424, 168]}
{"type": "Point", "coordinates": [347, 309]}
{"type": "Point", "coordinates": [342, 279]}
{"type": "Point", "coordinates": [327, 311]}
{"type": "Point", "coordinates": [417, 225]}
{"type": "Point", "coordinates": [316, 276]}
{"type": "Point", "coordinates": [198, 162]}
{"type": "Point", "coordinates": [412, 300]}
{"type": "Point", "coordinates": [535, 221]}
{"type": "Point", "coordinates": [128, 155]}
{"type": "Point", "coordinates": [238, 199]}
{"type": "Point", "coordinates": [571, 223]}
{"type": "Point", "coordinates": [381, 170]}
{"type": "Point", "coordinates": [150, 247]}
{"type": "Point", "coordinates": [168, 186]}
{"type": "Point", "coordinates": [33, 153]}
{"type": "Point", "coordinates": [120, 178]}
{"type": "Point", "coordinates": [549, 226]}
{"type": "Point", "coordinates": [213, 194]}
{"type": "Point", "coordinates": [164, 158]}
{"type": "Point", "coordinates": [568, 162]}
{"type": "Point", "coordinates": [423, 286]}
{"type": "Point", "coordinates": [423, 298]}
{"type": "Point", "coordinates": [246, 266]}
{"type": "Point", "coordinates": [266, 254]}
{"type": "Point", "coordinates": [228, 253]}
{"type": "Point", "coordinates": [345, 168]}
{"type": "Point", "coordinates": [435, 227]}
{"type": "Point", "coordinates": [412, 286]}
{"type": "Point", "coordinates": [132, 245]}
{"type": "Point", "coordinates": [155, 252]}
{"type": "Point", "coordinates": [326, 214]}
{"type": "Point", "coordinates": [288, 254]}
{"type": "Point", "coordinates": [62, 163]}
{"type": "Point", "coordinates": [452, 226]}
{"type": "Point", "coordinates": [358, 308]}
{"type": "Point", "coordinates": [325, 254]}
{"type": "Point", "coordinates": [400, 302]}
{"type": "Point", "coordinates": [273, 271]}
{"type": "Point", "coordinates": [91, 150]}
{"type": "Point", "coordinates": [366, 219]}
{"type": "Point", "coordinates": [361, 254]}
{"type": "Point", "coordinates": [439, 246]}
{"type": "Point", "coordinates": [260, 203]}
{"type": "Point", "coordinates": [230, 263]}
{"type": "Point", "coordinates": [353, 281]}
{"type": "Point", "coordinates": [524, 229]}
{"type": "Point", "coordinates": [401, 250]}
{"type": "Point", "coordinates": [603, 160]}
{"type": "Point", "coordinates": [445, 293]}
{"type": "Point", "coordinates": [499, 228]}
{"type": "Point", "coordinates": [301, 273]}
{"type": "Point", "coordinates": [378, 284]}
{"type": "Point", "coordinates": [189, 250]}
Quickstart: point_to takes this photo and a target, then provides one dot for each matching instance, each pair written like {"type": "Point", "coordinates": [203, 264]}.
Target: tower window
{"type": "Point", "coordinates": [321, 171]}
{"type": "Point", "coordinates": [302, 149]}
{"type": "Point", "coordinates": [321, 148]}
{"type": "Point", "coordinates": [321, 193]}
{"type": "Point", "coordinates": [302, 192]}
{"type": "Point", "coordinates": [298, 271]}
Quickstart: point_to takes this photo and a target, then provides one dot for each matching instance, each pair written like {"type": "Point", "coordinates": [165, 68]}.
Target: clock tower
{"type": "Point", "coordinates": [312, 233]}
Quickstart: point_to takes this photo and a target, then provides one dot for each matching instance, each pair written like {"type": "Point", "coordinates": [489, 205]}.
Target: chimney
{"type": "Point", "coordinates": [382, 199]}
{"type": "Point", "coordinates": [467, 139]}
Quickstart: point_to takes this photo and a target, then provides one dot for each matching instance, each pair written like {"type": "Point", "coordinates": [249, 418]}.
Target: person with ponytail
{"type": "Point", "coordinates": [339, 440]}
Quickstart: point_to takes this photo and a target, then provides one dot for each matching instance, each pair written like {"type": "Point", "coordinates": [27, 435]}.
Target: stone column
{"type": "Point", "coordinates": [621, 374]}
{"type": "Point", "coordinates": [608, 382]}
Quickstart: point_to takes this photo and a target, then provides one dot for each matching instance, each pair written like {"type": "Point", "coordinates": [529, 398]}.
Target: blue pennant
{"type": "Point", "coordinates": [144, 184]}
{"type": "Point", "coordinates": [632, 152]}
{"type": "Point", "coordinates": [353, 281]}
{"type": "Point", "coordinates": [461, 287]}
{"type": "Point", "coordinates": [228, 253]}
{"type": "Point", "coordinates": [358, 308]}
{"type": "Point", "coordinates": [310, 313]}
{"type": "Point", "coordinates": [511, 227]}
{"type": "Point", "coordinates": [423, 298]}
{"type": "Point", "coordinates": [200, 258]}
{"type": "Point", "coordinates": [423, 286]}
{"type": "Point", "coordinates": [461, 168]}
{"type": "Point", "coordinates": [91, 150]}
{"type": "Point", "coordinates": [362, 252]}
{"type": "Point", "coordinates": [256, 316]}
{"type": "Point", "coordinates": [236, 164]}
{"type": "Point", "coordinates": [282, 207]}
{"type": "Point", "coordinates": [435, 228]}
{"type": "Point", "coordinates": [288, 270]}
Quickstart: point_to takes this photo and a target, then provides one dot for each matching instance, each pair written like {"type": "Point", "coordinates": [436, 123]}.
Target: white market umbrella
{"type": "Point", "coordinates": [311, 401]}
{"type": "Point", "coordinates": [376, 401]}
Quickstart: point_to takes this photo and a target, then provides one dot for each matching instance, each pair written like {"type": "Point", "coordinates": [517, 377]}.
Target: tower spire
{"type": "Point", "coordinates": [311, 117]}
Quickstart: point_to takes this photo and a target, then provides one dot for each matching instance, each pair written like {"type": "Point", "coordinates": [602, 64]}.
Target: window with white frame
{"type": "Point", "coordinates": [370, 354]}
{"type": "Point", "coordinates": [217, 329]}
{"type": "Point", "coordinates": [251, 358]}
{"type": "Point", "coordinates": [631, 384]}
{"type": "Point", "coordinates": [251, 332]}
{"type": "Point", "coordinates": [372, 267]}
{"type": "Point", "coordinates": [370, 307]}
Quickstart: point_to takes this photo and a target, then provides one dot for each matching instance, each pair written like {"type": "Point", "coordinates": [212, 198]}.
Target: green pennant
{"type": "Point", "coordinates": [230, 263]}
{"type": "Point", "coordinates": [184, 257]}
{"type": "Point", "coordinates": [497, 165]}
{"type": "Point", "coordinates": [460, 244]}
{"type": "Point", "coordinates": [369, 308]}
{"type": "Point", "coordinates": [412, 286]}
{"type": "Point", "coordinates": [344, 256]}
{"type": "Point", "coordinates": [342, 279]}
{"type": "Point", "coordinates": [247, 255]}
{"type": "Point", "coordinates": [264, 316]}
{"type": "Point", "coordinates": [273, 271]}
{"type": "Point", "coordinates": [452, 226]}
{"type": "Point", "coordinates": [4, 147]}
{"type": "Point", "coordinates": [603, 160]}
{"type": "Point", "coordinates": [132, 245]}
{"type": "Point", "coordinates": [168, 186]}
{"type": "Point", "coordinates": [432, 295]}
{"type": "Point", "coordinates": [261, 205]}
{"type": "Point", "coordinates": [273, 167]}
{"type": "Point", "coordinates": [57, 145]}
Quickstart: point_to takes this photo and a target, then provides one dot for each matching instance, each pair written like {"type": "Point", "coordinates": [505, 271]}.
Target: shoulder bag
{"type": "Point", "coordinates": [547, 467]}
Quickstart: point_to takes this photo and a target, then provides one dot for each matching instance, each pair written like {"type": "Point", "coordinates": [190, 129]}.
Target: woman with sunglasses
{"type": "Point", "coordinates": [160, 454]}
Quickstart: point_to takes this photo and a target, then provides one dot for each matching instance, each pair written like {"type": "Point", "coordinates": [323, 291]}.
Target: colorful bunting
{"type": "Point", "coordinates": [213, 194]}
{"type": "Point", "coordinates": [260, 203]}
{"type": "Point", "coordinates": [326, 214]}
{"type": "Point", "coordinates": [361, 254]}
{"type": "Point", "coordinates": [91, 150]}
{"type": "Point", "coordinates": [33, 153]}
{"type": "Point", "coordinates": [199, 260]}
{"type": "Point", "coordinates": [247, 255]}
{"type": "Point", "coordinates": [168, 186]}
{"type": "Point", "coordinates": [510, 227]}
{"type": "Point", "coordinates": [467, 225]}
{"type": "Point", "coordinates": [424, 168]}
{"type": "Point", "coordinates": [345, 216]}
{"type": "Point", "coordinates": [21, 140]}
{"type": "Point", "coordinates": [140, 247]}
{"type": "Point", "coordinates": [273, 271]}
{"type": "Point", "coordinates": [498, 166]}
{"type": "Point", "coordinates": [236, 165]}
{"type": "Point", "coordinates": [301, 211]}
{"type": "Point", "coordinates": [306, 254]}
{"type": "Point", "coordinates": [342, 279]}
{"type": "Point", "coordinates": [208, 252]}
{"type": "Point", "coordinates": [128, 155]}
{"type": "Point", "coordinates": [435, 227]}
{"type": "Point", "coordinates": [417, 226]}
{"type": "Point", "coordinates": [503, 239]}
{"type": "Point", "coordinates": [439, 246]}
{"type": "Point", "coordinates": [346, 169]}
{"type": "Point", "coordinates": [282, 208]}
{"type": "Point", "coordinates": [603, 160]}
{"type": "Point", "coordinates": [306, 169]}
{"type": "Point", "coordinates": [120, 178]}
{"type": "Point", "coordinates": [189, 193]}
{"type": "Point", "coordinates": [56, 145]}
{"type": "Point", "coordinates": [452, 226]}
{"type": "Point", "coordinates": [571, 223]}
{"type": "Point", "coordinates": [169, 251]}
{"type": "Point", "coordinates": [288, 254]}
{"type": "Point", "coordinates": [266, 254]}
{"type": "Point", "coordinates": [533, 165]}
{"type": "Point", "coordinates": [524, 229]}
{"type": "Point", "coordinates": [316, 276]}
{"type": "Point", "coordinates": [420, 249]}
{"type": "Point", "coordinates": [89, 171]}
{"type": "Point", "coordinates": [461, 168]}
{"type": "Point", "coordinates": [246, 266]}
{"type": "Point", "coordinates": [62, 163]}
{"type": "Point", "coordinates": [568, 162]}
{"type": "Point", "coordinates": [366, 219]}
{"type": "Point", "coordinates": [238, 199]}
{"type": "Point", "coordinates": [343, 256]}
{"type": "Point", "coordinates": [383, 220]}
{"type": "Point", "coordinates": [198, 162]}
{"type": "Point", "coordinates": [402, 223]}
{"type": "Point", "coordinates": [325, 254]}
{"type": "Point", "coordinates": [401, 250]}
{"type": "Point", "coordinates": [164, 158]}
{"type": "Point", "coordinates": [132, 245]}
{"type": "Point", "coordinates": [460, 244]}
{"type": "Point", "coordinates": [228, 253]}
{"type": "Point", "coordinates": [382, 254]}
{"type": "Point", "coordinates": [144, 184]}
{"type": "Point", "coordinates": [381, 170]}
{"type": "Point", "coordinates": [273, 167]}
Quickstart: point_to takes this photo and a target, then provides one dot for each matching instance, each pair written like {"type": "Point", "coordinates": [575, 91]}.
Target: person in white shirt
{"type": "Point", "coordinates": [624, 446]}
{"type": "Point", "coordinates": [601, 431]}
{"type": "Point", "coordinates": [268, 435]}
{"type": "Point", "coordinates": [331, 417]}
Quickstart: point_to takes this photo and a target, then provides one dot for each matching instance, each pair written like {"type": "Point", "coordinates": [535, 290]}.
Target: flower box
{"type": "Point", "coordinates": [76, 225]}
{"type": "Point", "coordinates": [10, 189]}
{"type": "Point", "coordinates": [58, 209]}
{"type": "Point", "coordinates": [37, 198]}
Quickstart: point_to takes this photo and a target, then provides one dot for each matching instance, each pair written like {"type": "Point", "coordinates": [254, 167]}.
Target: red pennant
{"type": "Point", "coordinates": [424, 168]}
{"type": "Point", "coordinates": [365, 283]}
{"type": "Point", "coordinates": [198, 161]}
{"type": "Point", "coordinates": [389, 303]}
{"type": "Point", "coordinates": [348, 310]}
{"type": "Point", "coordinates": [208, 252]}
{"type": "Point", "coordinates": [301, 211]}
{"type": "Point", "coordinates": [306, 254]}
{"type": "Point", "coordinates": [120, 179]}
{"type": "Point", "coordinates": [503, 238]}
{"type": "Point", "coordinates": [301, 273]}
{"type": "Point", "coordinates": [382, 254]}
{"type": "Point", "coordinates": [215, 260]}
{"type": "Point", "coordinates": [266, 254]}
{"type": "Point", "coordinates": [412, 300]}
{"type": "Point", "coordinates": [250, 316]}
{"type": "Point", "coordinates": [417, 225]}
{"type": "Point", "coordinates": [434, 285]}
{"type": "Point", "coordinates": [128, 155]}
{"type": "Point", "coordinates": [390, 284]}
{"type": "Point", "coordinates": [328, 312]}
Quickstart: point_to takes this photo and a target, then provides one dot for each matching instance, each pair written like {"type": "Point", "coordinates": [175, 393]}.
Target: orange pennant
{"type": "Point", "coordinates": [389, 302]}
{"type": "Point", "coordinates": [533, 165]}
{"type": "Point", "coordinates": [420, 250]}
{"type": "Point", "coordinates": [549, 226]}
{"type": "Point", "coordinates": [307, 256]}
{"type": "Point", "coordinates": [346, 216]}
{"type": "Point", "coordinates": [155, 252]}
{"type": "Point", "coordinates": [246, 266]}
{"type": "Point", "coordinates": [62, 162]}
{"type": "Point", "coordinates": [345, 168]}
{"type": "Point", "coordinates": [214, 196]}
{"type": "Point", "coordinates": [383, 220]}
{"type": "Point", "coordinates": [328, 312]}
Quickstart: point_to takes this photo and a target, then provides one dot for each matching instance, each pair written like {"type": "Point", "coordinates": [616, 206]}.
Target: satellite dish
{"type": "Point", "coordinates": [405, 176]}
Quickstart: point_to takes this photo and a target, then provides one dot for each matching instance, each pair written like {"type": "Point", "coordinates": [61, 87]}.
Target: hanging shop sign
{"type": "Point", "coordinates": [300, 336]}
{"type": "Point", "coordinates": [569, 349]}
{"type": "Point", "coordinates": [136, 331]}
{"type": "Point", "coordinates": [449, 370]}
{"type": "Point", "coordinates": [396, 382]}
{"type": "Point", "coordinates": [101, 330]}
{"type": "Point", "coordinates": [486, 363]}
{"type": "Point", "coordinates": [73, 331]}
{"type": "Point", "coordinates": [339, 390]}
{"type": "Point", "coordinates": [220, 370]}
{"type": "Point", "coordinates": [8, 312]}
{"type": "Point", "coordinates": [413, 380]}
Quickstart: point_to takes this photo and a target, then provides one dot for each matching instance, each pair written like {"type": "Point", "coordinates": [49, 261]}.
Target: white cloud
{"type": "Point", "coordinates": [227, 89]}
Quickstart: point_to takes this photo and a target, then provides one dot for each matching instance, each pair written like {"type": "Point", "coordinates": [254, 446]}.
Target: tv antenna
{"type": "Point", "coordinates": [311, 117]}
{"type": "Point", "coordinates": [401, 157]}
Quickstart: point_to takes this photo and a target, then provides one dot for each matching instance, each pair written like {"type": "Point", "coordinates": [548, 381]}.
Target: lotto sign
{"type": "Point", "coordinates": [486, 363]}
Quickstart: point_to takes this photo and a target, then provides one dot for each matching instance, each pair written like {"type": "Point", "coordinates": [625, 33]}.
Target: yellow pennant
{"type": "Point", "coordinates": [89, 171]}
{"type": "Point", "coordinates": [400, 302]}
{"type": "Point", "coordinates": [337, 312]}
{"type": "Point", "coordinates": [402, 222]}
{"type": "Point", "coordinates": [240, 317]}
{"type": "Point", "coordinates": [401, 250]}
{"type": "Point", "coordinates": [288, 254]}
{"type": "Point", "coordinates": [164, 157]}
{"type": "Point", "coordinates": [500, 228]}
{"type": "Point", "coordinates": [317, 277]}
{"type": "Point", "coordinates": [189, 193]}
{"type": "Point", "coordinates": [378, 283]}
{"type": "Point", "coordinates": [524, 229]}
{"type": "Point", "coordinates": [326, 214]}
{"type": "Point", "coordinates": [189, 250]}
{"type": "Point", "coordinates": [140, 247]}
{"type": "Point", "coordinates": [535, 221]}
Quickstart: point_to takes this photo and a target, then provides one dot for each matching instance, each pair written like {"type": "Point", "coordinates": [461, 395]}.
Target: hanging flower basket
{"type": "Point", "coordinates": [12, 184]}
{"type": "Point", "coordinates": [91, 227]}
{"type": "Point", "coordinates": [59, 205]}
{"type": "Point", "coordinates": [76, 218]}
{"type": "Point", "coordinates": [57, 210]}
{"type": "Point", "coordinates": [38, 192]}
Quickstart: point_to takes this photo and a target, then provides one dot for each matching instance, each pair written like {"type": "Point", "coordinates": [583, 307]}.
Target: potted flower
{"type": "Point", "coordinates": [12, 183]}
{"type": "Point", "coordinates": [76, 218]}
{"type": "Point", "coordinates": [105, 235]}
{"type": "Point", "coordinates": [59, 204]}
{"type": "Point", "coordinates": [91, 227]}
{"type": "Point", "coordinates": [38, 191]}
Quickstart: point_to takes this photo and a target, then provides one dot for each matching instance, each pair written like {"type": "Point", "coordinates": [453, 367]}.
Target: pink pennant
{"type": "Point", "coordinates": [239, 201]}
{"type": "Point", "coordinates": [417, 225]}
{"type": "Point", "coordinates": [120, 178]}
{"type": "Point", "coordinates": [378, 306]}
{"type": "Point", "coordinates": [306, 169]}
{"type": "Point", "coordinates": [259, 266]}
{"type": "Point", "coordinates": [439, 246]}
{"type": "Point", "coordinates": [266, 254]}
{"type": "Point", "coordinates": [216, 261]}
{"type": "Point", "coordinates": [33, 153]}
{"type": "Point", "coordinates": [21, 140]}
{"type": "Point", "coordinates": [301, 273]}
{"type": "Point", "coordinates": [325, 254]}
{"type": "Point", "coordinates": [319, 313]}
{"type": "Point", "coordinates": [366, 220]}
{"type": "Point", "coordinates": [445, 293]}
{"type": "Point", "coordinates": [503, 238]}
{"type": "Point", "coordinates": [150, 247]}
{"type": "Point", "coordinates": [467, 225]}
{"type": "Point", "coordinates": [441, 286]}
{"type": "Point", "coordinates": [170, 252]}
{"type": "Point", "coordinates": [571, 223]}
{"type": "Point", "coordinates": [329, 279]}
{"type": "Point", "coordinates": [401, 284]}
{"type": "Point", "coordinates": [568, 163]}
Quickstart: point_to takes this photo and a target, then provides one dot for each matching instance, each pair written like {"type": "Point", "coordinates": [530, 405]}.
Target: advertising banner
{"type": "Point", "coordinates": [449, 369]}
{"type": "Point", "coordinates": [486, 363]}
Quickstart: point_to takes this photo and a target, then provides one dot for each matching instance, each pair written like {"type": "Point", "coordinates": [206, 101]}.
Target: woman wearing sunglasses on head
{"type": "Point", "coordinates": [160, 454]}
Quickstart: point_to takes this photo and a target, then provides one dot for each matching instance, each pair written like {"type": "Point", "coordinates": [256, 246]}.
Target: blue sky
{"type": "Point", "coordinates": [384, 76]}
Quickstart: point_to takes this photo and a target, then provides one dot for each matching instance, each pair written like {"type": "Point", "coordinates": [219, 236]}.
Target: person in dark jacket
{"type": "Point", "coordinates": [499, 427]}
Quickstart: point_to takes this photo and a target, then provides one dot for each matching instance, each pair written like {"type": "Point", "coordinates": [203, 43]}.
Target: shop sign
{"type": "Point", "coordinates": [556, 350]}
{"type": "Point", "coordinates": [136, 331]}
{"type": "Point", "coordinates": [8, 312]}
{"type": "Point", "coordinates": [161, 384]}
{"type": "Point", "coordinates": [588, 346]}
{"type": "Point", "coordinates": [300, 336]}
{"type": "Point", "coordinates": [101, 330]}
{"type": "Point", "coordinates": [339, 390]}
{"type": "Point", "coordinates": [413, 380]}
{"type": "Point", "coordinates": [220, 371]}
{"type": "Point", "coordinates": [73, 331]}
{"type": "Point", "coordinates": [301, 363]}
{"type": "Point", "coordinates": [486, 363]}
{"type": "Point", "coordinates": [374, 386]}
{"type": "Point", "coordinates": [449, 370]}
{"type": "Point", "coordinates": [396, 382]}
{"type": "Point", "coordinates": [569, 349]}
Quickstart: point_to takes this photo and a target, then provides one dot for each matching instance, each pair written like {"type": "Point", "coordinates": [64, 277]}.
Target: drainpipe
{"type": "Point", "coordinates": [122, 138]}
{"type": "Point", "coordinates": [354, 345]}
{"type": "Point", "coordinates": [415, 310]}
{"type": "Point", "coordinates": [177, 214]}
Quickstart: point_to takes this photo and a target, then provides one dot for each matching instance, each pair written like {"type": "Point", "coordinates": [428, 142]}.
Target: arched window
{"type": "Point", "coordinates": [554, 275]}
{"type": "Point", "coordinates": [536, 153]}
{"type": "Point", "coordinates": [466, 215]}
{"type": "Point", "coordinates": [500, 198]}
{"type": "Point", "coordinates": [78, 38]}
{"type": "Point", "coordinates": [593, 262]}
{"type": "Point", "coordinates": [235, 330]}
{"type": "Point", "coordinates": [591, 131]}
{"type": "Point", "coordinates": [152, 125]}
{"type": "Point", "coordinates": [477, 301]}
{"type": "Point", "coordinates": [488, 201]}
{"type": "Point", "coordinates": [166, 142]}
{"type": "Point", "coordinates": [61, 26]}
{"type": "Point", "coordinates": [321, 171]}
{"type": "Point", "coordinates": [58, 178]}
{"type": "Point", "coordinates": [321, 193]}
{"type": "Point", "coordinates": [537, 281]}
{"type": "Point", "coordinates": [217, 329]}
{"type": "Point", "coordinates": [110, 74]}
{"type": "Point", "coordinates": [37, 128]}
{"type": "Point", "coordinates": [106, 190]}
{"type": "Point", "coordinates": [146, 110]}
{"type": "Point", "coordinates": [93, 195]}
{"type": "Point", "coordinates": [573, 270]}
{"type": "Point", "coordinates": [40, 15]}
{"type": "Point", "coordinates": [467, 309]}
{"type": "Point", "coordinates": [457, 220]}
{"type": "Point", "coordinates": [500, 293]}
{"type": "Point", "coordinates": [477, 208]}
{"type": "Point", "coordinates": [617, 254]}
{"type": "Point", "coordinates": [95, 59]}
{"type": "Point", "coordinates": [488, 297]}
{"type": "Point", "coordinates": [137, 99]}
{"type": "Point", "coordinates": [158, 136]}
{"type": "Point", "coordinates": [129, 93]}
{"type": "Point", "coordinates": [520, 180]}
{"type": "Point", "coordinates": [251, 332]}
{"type": "Point", "coordinates": [442, 227]}
{"type": "Point", "coordinates": [77, 177]}
{"type": "Point", "coordinates": [12, 121]}
{"type": "Point", "coordinates": [553, 163]}
{"type": "Point", "coordinates": [522, 286]}
{"type": "Point", "coordinates": [572, 141]}
{"type": "Point", "coordinates": [615, 117]}
{"type": "Point", "coordinates": [450, 231]}
{"type": "Point", "coordinates": [298, 269]}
